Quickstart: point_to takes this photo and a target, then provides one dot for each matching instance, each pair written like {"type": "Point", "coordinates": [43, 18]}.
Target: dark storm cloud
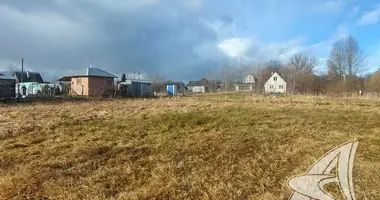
{"type": "Point", "coordinates": [58, 36]}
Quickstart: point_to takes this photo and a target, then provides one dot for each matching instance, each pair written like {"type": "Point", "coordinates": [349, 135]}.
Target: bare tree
{"type": "Point", "coordinates": [301, 68]}
{"type": "Point", "coordinates": [228, 73]}
{"type": "Point", "coordinates": [302, 63]}
{"type": "Point", "coordinates": [346, 57]}
{"type": "Point", "coordinates": [335, 63]}
{"type": "Point", "coordinates": [259, 70]}
{"type": "Point", "coordinates": [355, 56]}
{"type": "Point", "coordinates": [158, 83]}
{"type": "Point", "coordinates": [373, 81]}
{"type": "Point", "coordinates": [274, 65]}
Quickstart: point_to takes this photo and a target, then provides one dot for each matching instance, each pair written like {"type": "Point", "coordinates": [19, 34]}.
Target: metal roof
{"type": "Point", "coordinates": [89, 72]}
{"type": "Point", "coordinates": [5, 76]}
{"type": "Point", "coordinates": [130, 81]}
{"type": "Point", "coordinates": [28, 76]}
{"type": "Point", "coordinates": [193, 83]}
{"type": "Point", "coordinates": [92, 72]}
{"type": "Point", "coordinates": [178, 84]}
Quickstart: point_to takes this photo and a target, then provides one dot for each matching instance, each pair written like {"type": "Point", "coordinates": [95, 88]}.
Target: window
{"type": "Point", "coordinates": [275, 78]}
{"type": "Point", "coordinates": [271, 87]}
{"type": "Point", "coordinates": [79, 81]}
{"type": "Point", "coordinates": [109, 82]}
{"type": "Point", "coordinates": [281, 87]}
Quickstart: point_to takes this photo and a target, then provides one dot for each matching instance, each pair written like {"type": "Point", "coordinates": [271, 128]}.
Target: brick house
{"type": "Point", "coordinates": [91, 82]}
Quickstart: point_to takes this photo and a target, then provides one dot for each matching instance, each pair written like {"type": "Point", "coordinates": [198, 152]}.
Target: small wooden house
{"type": "Point", "coordinates": [248, 84]}
{"type": "Point", "coordinates": [201, 86]}
{"type": "Point", "coordinates": [275, 84]}
{"type": "Point", "coordinates": [91, 82]}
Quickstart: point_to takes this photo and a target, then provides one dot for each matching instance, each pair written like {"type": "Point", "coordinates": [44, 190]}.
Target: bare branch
{"type": "Point", "coordinates": [346, 57]}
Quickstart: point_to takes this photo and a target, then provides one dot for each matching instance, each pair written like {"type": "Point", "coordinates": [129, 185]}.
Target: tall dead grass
{"type": "Point", "coordinates": [203, 147]}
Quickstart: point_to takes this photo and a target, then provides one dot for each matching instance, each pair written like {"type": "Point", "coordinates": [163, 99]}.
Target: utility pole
{"type": "Point", "coordinates": [344, 85]}
{"type": "Point", "coordinates": [22, 69]}
{"type": "Point", "coordinates": [236, 65]}
{"type": "Point", "coordinates": [225, 79]}
{"type": "Point", "coordinates": [209, 79]}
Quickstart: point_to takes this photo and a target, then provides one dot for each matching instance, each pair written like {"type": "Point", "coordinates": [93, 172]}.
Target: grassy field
{"type": "Point", "coordinates": [204, 147]}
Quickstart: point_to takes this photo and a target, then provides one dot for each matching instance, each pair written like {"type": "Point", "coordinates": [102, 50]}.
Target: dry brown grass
{"type": "Point", "coordinates": [204, 147]}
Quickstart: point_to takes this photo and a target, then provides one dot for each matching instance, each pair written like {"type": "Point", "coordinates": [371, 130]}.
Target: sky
{"type": "Point", "coordinates": [179, 39]}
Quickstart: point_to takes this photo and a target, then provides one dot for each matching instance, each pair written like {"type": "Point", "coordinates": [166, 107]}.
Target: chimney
{"type": "Point", "coordinates": [90, 65]}
{"type": "Point", "coordinates": [27, 74]}
{"type": "Point", "coordinates": [271, 73]}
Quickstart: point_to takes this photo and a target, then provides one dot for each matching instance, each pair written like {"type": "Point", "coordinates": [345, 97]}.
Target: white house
{"type": "Point", "coordinates": [201, 86]}
{"type": "Point", "coordinates": [249, 79]}
{"type": "Point", "coordinates": [248, 84]}
{"type": "Point", "coordinates": [198, 89]}
{"type": "Point", "coordinates": [275, 84]}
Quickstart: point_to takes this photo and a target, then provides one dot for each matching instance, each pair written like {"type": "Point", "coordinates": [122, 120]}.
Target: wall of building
{"type": "Point", "coordinates": [249, 79]}
{"type": "Point", "coordinates": [28, 89]}
{"type": "Point", "coordinates": [79, 86]}
{"type": "Point", "coordinates": [100, 86]}
{"type": "Point", "coordinates": [7, 88]}
{"type": "Point", "coordinates": [275, 84]}
{"type": "Point", "coordinates": [244, 88]}
{"type": "Point", "coordinates": [199, 89]}
{"type": "Point", "coordinates": [139, 89]}
{"type": "Point", "coordinates": [92, 86]}
{"type": "Point", "coordinates": [181, 89]}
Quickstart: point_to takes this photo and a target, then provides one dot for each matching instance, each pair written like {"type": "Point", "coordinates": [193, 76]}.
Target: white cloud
{"type": "Point", "coordinates": [250, 49]}
{"type": "Point", "coordinates": [235, 46]}
{"type": "Point", "coordinates": [281, 51]}
{"type": "Point", "coordinates": [264, 51]}
{"type": "Point", "coordinates": [330, 6]}
{"type": "Point", "coordinates": [369, 18]}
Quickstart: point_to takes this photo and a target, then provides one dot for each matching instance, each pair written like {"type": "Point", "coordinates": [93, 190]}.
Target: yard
{"type": "Point", "coordinates": [203, 147]}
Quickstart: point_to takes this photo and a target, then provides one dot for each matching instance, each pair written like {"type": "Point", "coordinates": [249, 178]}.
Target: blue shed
{"type": "Point", "coordinates": [171, 90]}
